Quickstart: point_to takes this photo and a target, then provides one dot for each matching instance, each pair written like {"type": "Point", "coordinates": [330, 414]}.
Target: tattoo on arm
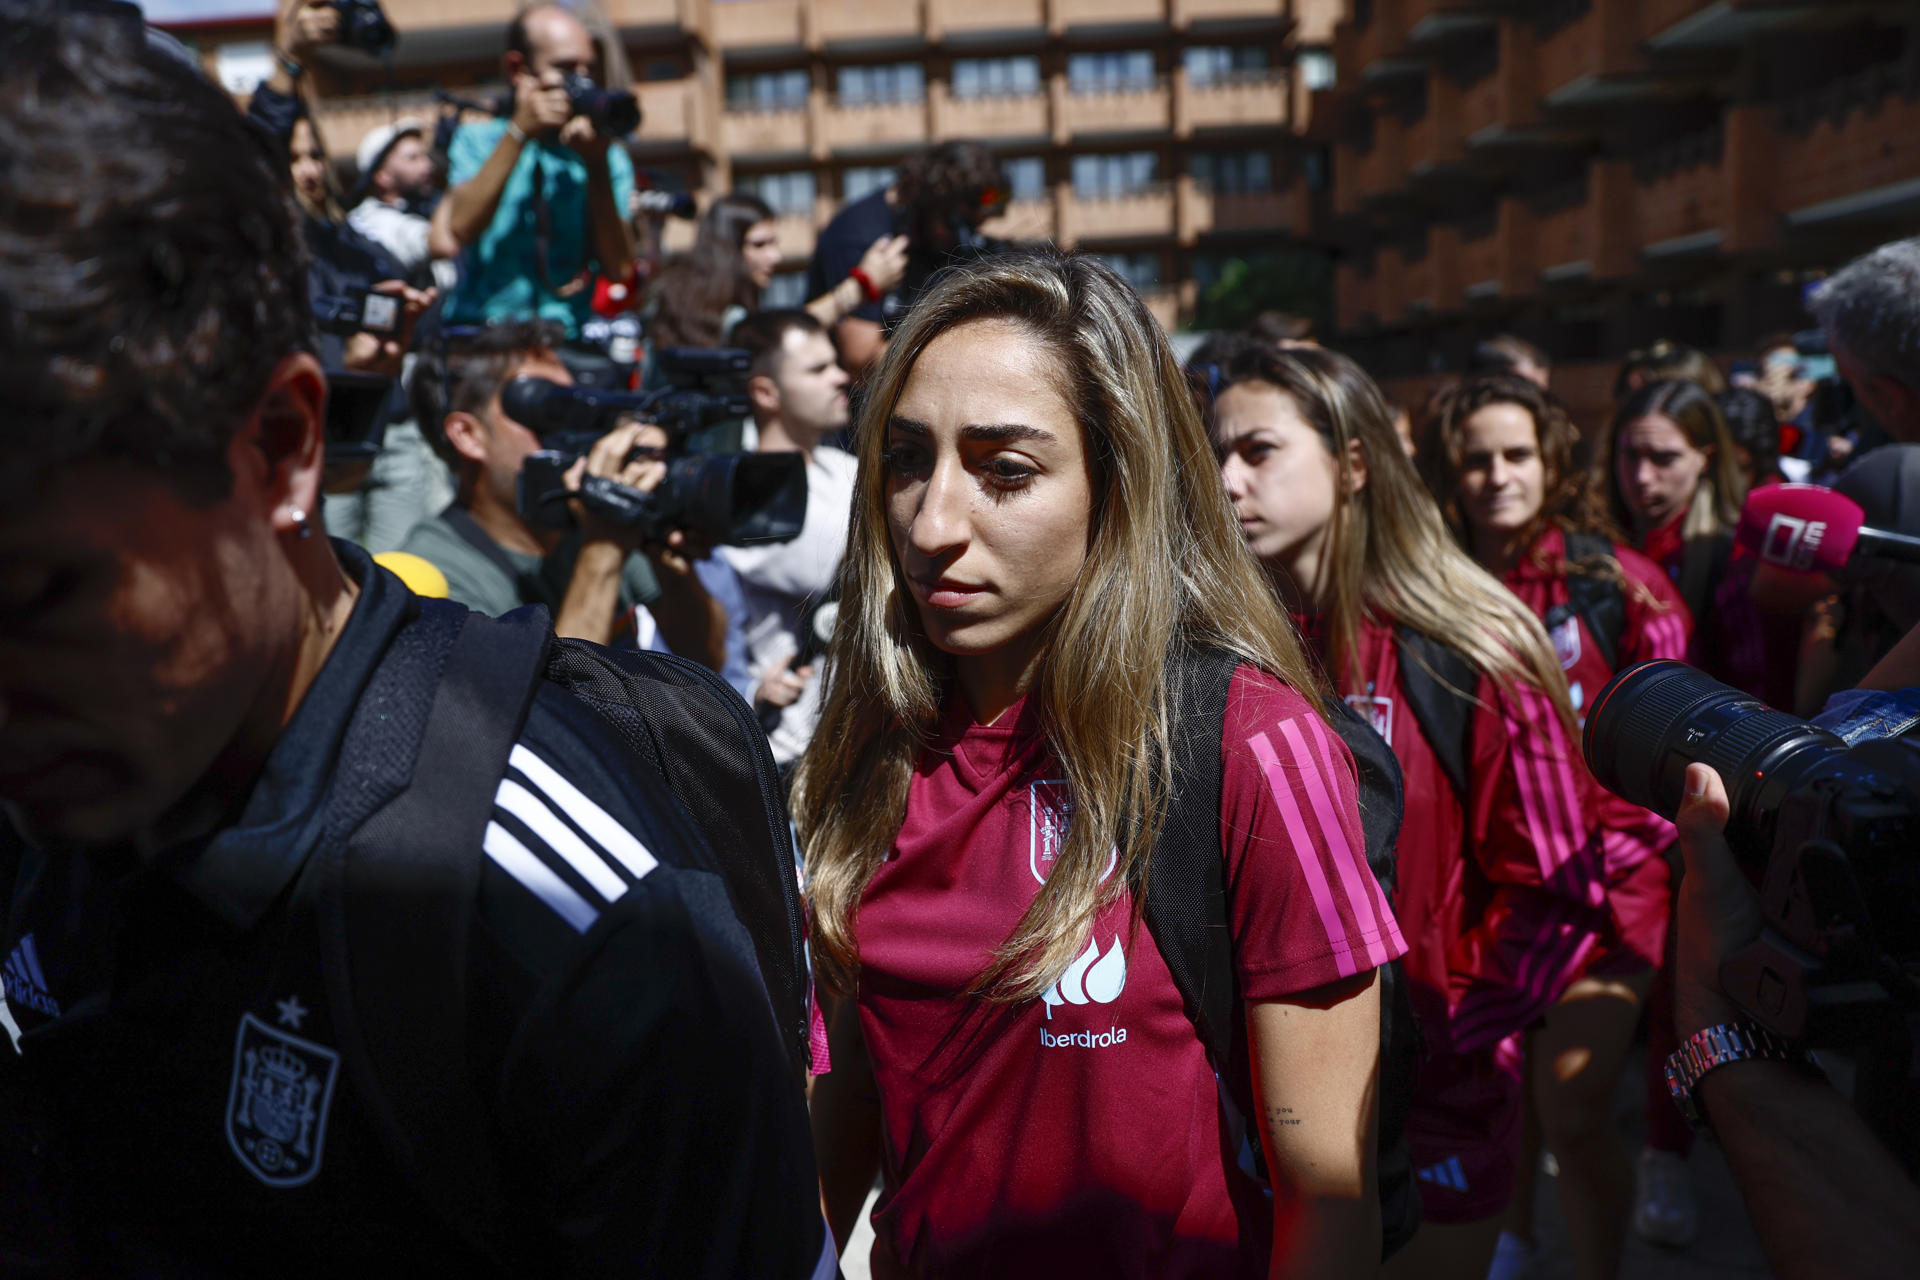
{"type": "Point", "coordinates": [1279, 1118]}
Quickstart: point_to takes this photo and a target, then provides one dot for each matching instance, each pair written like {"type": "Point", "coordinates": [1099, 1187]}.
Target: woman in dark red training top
{"type": "Point", "coordinates": [1036, 528]}
{"type": "Point", "coordinates": [1500, 460]}
{"type": "Point", "coordinates": [1500, 892]}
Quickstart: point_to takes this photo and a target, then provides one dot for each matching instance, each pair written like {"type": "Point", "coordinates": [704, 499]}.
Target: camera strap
{"type": "Point", "coordinates": [543, 235]}
{"type": "Point", "coordinates": [531, 587]}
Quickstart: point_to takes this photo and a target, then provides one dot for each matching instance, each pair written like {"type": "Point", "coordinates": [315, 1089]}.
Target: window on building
{"type": "Point", "coordinates": [862, 180]}
{"type": "Point", "coordinates": [1213, 63]}
{"type": "Point", "coordinates": [1112, 176]}
{"type": "Point", "coordinates": [1232, 172]}
{"type": "Point", "coordinates": [889, 82]}
{"type": "Point", "coordinates": [1014, 77]}
{"type": "Point", "coordinates": [768, 91]}
{"type": "Point", "coordinates": [786, 289]}
{"type": "Point", "coordinates": [1141, 270]}
{"type": "Point", "coordinates": [1103, 72]}
{"type": "Point", "coordinates": [788, 193]}
{"type": "Point", "coordinates": [1317, 69]}
{"type": "Point", "coordinates": [1026, 177]}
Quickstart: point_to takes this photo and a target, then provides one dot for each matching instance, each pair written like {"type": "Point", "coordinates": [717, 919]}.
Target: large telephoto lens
{"type": "Point", "coordinates": [1656, 718]}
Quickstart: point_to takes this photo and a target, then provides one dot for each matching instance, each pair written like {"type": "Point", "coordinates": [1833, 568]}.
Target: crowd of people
{"type": "Point", "coordinates": [1179, 765]}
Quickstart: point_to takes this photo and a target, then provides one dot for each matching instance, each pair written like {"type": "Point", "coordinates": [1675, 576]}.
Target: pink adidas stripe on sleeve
{"type": "Point", "coordinates": [1306, 851]}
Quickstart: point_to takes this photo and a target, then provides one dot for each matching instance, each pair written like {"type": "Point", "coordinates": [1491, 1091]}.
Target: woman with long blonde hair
{"type": "Point", "coordinates": [1500, 460]}
{"type": "Point", "coordinates": [1036, 529]}
{"type": "Point", "coordinates": [1499, 874]}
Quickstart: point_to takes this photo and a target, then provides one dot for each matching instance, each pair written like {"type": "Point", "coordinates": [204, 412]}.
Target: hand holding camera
{"type": "Point", "coordinates": [383, 328]}
{"type": "Point", "coordinates": [633, 455]}
{"type": "Point", "coordinates": [305, 25]}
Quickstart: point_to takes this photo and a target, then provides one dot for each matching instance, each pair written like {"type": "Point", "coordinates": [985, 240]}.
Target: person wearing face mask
{"type": "Point", "coordinates": [1500, 864]}
{"type": "Point", "coordinates": [979, 811]}
{"type": "Point", "coordinates": [1500, 461]}
{"type": "Point", "coordinates": [703, 295]}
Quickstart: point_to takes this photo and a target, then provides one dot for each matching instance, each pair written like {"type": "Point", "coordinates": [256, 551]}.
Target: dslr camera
{"type": "Point", "coordinates": [1828, 833]}
{"type": "Point", "coordinates": [734, 499]}
{"type": "Point", "coordinates": [364, 26]}
{"type": "Point", "coordinates": [615, 113]}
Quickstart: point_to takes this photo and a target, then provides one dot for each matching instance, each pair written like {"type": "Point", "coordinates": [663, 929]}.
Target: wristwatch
{"type": "Point", "coordinates": [1716, 1046]}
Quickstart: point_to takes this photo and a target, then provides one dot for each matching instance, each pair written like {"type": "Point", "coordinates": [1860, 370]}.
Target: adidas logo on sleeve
{"type": "Point", "coordinates": [1447, 1173]}
{"type": "Point", "coordinates": [26, 984]}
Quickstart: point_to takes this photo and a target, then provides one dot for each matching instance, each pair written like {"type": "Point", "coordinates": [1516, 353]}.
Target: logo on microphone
{"type": "Point", "coordinates": [1792, 543]}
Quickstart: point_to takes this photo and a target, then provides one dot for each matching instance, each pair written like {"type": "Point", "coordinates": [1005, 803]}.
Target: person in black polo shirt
{"type": "Point", "coordinates": [190, 679]}
{"type": "Point", "coordinates": [938, 200]}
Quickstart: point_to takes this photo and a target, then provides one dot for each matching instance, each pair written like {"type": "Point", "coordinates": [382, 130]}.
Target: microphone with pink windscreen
{"type": "Point", "coordinates": [1805, 528]}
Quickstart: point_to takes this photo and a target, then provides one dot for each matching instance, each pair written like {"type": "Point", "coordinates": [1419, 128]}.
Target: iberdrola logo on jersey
{"type": "Point", "coordinates": [1092, 978]}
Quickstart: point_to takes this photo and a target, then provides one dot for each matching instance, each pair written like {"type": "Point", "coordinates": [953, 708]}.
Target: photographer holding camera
{"type": "Point", "coordinates": [938, 200]}
{"type": "Point", "coordinates": [538, 201]}
{"type": "Point", "coordinates": [495, 560]}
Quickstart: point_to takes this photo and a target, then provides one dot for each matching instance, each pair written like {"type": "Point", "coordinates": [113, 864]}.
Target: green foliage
{"type": "Point", "coordinates": [1294, 280]}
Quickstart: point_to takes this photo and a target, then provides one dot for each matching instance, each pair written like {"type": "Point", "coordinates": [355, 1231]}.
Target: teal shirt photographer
{"type": "Point", "coordinates": [500, 274]}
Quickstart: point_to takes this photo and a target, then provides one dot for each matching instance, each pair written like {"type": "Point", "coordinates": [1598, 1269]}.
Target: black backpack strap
{"type": "Point", "coordinates": [1438, 684]}
{"type": "Point", "coordinates": [395, 907]}
{"type": "Point", "coordinates": [1598, 601]}
{"type": "Point", "coordinates": [1186, 911]}
{"type": "Point", "coordinates": [1186, 906]}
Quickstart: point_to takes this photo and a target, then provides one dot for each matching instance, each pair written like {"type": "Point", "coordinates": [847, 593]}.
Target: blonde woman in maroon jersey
{"type": "Point", "coordinates": [1036, 527]}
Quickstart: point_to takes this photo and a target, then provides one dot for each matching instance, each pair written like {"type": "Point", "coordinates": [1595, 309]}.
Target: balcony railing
{"type": "Point", "coordinates": [874, 125]}
{"type": "Point", "coordinates": [747, 24]}
{"type": "Point", "coordinates": [1857, 152]}
{"type": "Point", "coordinates": [1118, 110]}
{"type": "Point", "coordinates": [865, 20]}
{"type": "Point", "coordinates": [1107, 13]}
{"type": "Point", "coordinates": [745, 132]}
{"type": "Point", "coordinates": [964, 18]}
{"type": "Point", "coordinates": [1236, 213]}
{"type": "Point", "coordinates": [1249, 98]}
{"type": "Point", "coordinates": [995, 116]}
{"type": "Point", "coordinates": [1145, 214]}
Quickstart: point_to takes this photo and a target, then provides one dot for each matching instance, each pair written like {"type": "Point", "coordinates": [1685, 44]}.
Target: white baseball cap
{"type": "Point", "coordinates": [374, 147]}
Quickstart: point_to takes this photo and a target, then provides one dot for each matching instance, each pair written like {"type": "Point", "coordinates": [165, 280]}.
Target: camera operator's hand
{"type": "Point", "coordinates": [781, 688]}
{"type": "Point", "coordinates": [885, 262]}
{"type": "Point", "coordinates": [585, 140]}
{"type": "Point", "coordinates": [303, 26]}
{"type": "Point", "coordinates": [1716, 909]}
{"type": "Point", "coordinates": [541, 106]}
{"type": "Point", "coordinates": [612, 458]}
{"type": "Point", "coordinates": [382, 353]}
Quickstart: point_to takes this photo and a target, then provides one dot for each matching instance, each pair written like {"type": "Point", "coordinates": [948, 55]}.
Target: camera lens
{"type": "Point", "coordinates": [1655, 718]}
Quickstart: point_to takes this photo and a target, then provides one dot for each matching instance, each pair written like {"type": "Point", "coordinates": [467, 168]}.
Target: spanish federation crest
{"type": "Point", "coordinates": [277, 1106]}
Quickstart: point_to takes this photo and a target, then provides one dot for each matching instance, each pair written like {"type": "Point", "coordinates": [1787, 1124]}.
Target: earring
{"type": "Point", "coordinates": [300, 521]}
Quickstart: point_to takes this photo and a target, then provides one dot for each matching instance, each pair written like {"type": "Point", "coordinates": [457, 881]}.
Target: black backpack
{"type": "Point", "coordinates": [1439, 683]}
{"type": "Point", "coordinates": [400, 898]}
{"type": "Point", "coordinates": [1186, 911]}
{"type": "Point", "coordinates": [1595, 600]}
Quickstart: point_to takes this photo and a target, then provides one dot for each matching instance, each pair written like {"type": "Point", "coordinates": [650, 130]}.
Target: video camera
{"type": "Point", "coordinates": [731, 499]}
{"type": "Point", "coordinates": [359, 405]}
{"type": "Point", "coordinates": [1828, 832]}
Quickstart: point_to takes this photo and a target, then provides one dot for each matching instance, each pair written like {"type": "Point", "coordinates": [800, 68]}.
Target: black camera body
{"type": "Point", "coordinates": [1828, 833]}
{"type": "Point", "coordinates": [357, 311]}
{"type": "Point", "coordinates": [615, 113]}
{"type": "Point", "coordinates": [364, 26]}
{"type": "Point", "coordinates": [726, 498]}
